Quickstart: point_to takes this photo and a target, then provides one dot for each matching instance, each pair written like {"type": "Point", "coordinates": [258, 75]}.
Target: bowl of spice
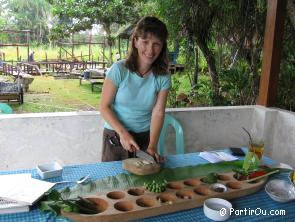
{"type": "Point", "coordinates": [218, 187]}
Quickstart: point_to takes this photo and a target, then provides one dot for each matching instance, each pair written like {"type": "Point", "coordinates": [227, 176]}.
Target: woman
{"type": "Point", "coordinates": [134, 94]}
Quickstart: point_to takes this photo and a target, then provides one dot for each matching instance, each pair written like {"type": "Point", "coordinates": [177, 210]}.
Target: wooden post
{"type": "Point", "coordinates": [17, 53]}
{"type": "Point", "coordinates": [28, 42]}
{"type": "Point", "coordinates": [273, 37]}
{"type": "Point", "coordinates": [46, 59]}
{"type": "Point", "coordinates": [72, 45]}
{"type": "Point", "coordinates": [89, 46]}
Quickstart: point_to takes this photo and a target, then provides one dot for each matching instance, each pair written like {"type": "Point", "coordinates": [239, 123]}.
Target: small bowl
{"type": "Point", "coordinates": [49, 170]}
{"type": "Point", "coordinates": [217, 209]}
{"type": "Point", "coordinates": [218, 187]}
{"type": "Point", "coordinates": [280, 190]}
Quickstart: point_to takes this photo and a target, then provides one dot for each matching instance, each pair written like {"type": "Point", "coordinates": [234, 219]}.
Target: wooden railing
{"type": "Point", "coordinates": [58, 66]}
{"type": "Point", "coordinates": [29, 68]}
{"type": "Point", "coordinates": [9, 69]}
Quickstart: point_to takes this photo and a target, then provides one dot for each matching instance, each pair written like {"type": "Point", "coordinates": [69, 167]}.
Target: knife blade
{"type": "Point", "coordinates": [143, 155]}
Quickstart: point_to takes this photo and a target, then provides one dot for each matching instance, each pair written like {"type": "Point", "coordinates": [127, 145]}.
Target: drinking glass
{"type": "Point", "coordinates": [257, 147]}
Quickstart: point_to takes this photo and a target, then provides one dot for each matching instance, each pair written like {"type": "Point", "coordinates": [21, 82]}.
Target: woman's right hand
{"type": "Point", "coordinates": [128, 142]}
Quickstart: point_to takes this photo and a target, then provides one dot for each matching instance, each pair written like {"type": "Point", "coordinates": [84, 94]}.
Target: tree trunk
{"type": "Point", "coordinates": [196, 70]}
{"type": "Point", "coordinates": [291, 11]}
{"type": "Point", "coordinates": [253, 60]}
{"type": "Point", "coordinates": [109, 41]}
{"type": "Point", "coordinates": [212, 71]}
{"type": "Point", "coordinates": [256, 78]}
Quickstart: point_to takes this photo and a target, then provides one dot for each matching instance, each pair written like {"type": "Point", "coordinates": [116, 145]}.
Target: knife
{"type": "Point", "coordinates": [143, 155]}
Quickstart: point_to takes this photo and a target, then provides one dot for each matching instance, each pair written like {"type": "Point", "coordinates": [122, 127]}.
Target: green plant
{"type": "Point", "coordinates": [173, 91]}
{"type": "Point", "coordinates": [55, 203]}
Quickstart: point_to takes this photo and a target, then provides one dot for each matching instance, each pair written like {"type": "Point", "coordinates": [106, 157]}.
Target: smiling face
{"type": "Point", "coordinates": [148, 48]}
{"type": "Point", "coordinates": [148, 51]}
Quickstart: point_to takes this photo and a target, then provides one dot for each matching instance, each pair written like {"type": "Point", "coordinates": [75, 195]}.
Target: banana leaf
{"type": "Point", "coordinates": [124, 181]}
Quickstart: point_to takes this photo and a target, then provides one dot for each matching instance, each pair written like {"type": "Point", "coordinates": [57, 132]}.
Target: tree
{"type": "Point", "coordinates": [237, 26]}
{"type": "Point", "coordinates": [194, 19]}
{"type": "Point", "coordinates": [84, 14]}
{"type": "Point", "coordinates": [240, 28]}
{"type": "Point", "coordinates": [33, 15]}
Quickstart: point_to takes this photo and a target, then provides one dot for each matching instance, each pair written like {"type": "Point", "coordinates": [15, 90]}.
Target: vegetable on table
{"type": "Point", "coordinates": [257, 174]}
{"type": "Point", "coordinates": [210, 178]}
{"type": "Point", "coordinates": [156, 187]}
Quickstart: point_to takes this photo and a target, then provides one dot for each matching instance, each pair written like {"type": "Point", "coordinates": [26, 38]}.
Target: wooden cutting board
{"type": "Point", "coordinates": [133, 166]}
{"type": "Point", "coordinates": [137, 202]}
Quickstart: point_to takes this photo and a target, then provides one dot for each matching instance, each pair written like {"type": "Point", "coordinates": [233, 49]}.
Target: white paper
{"type": "Point", "coordinates": [24, 190]}
{"type": "Point", "coordinates": [215, 157]}
{"type": "Point", "coordinates": [8, 207]}
{"type": "Point", "coordinates": [6, 204]}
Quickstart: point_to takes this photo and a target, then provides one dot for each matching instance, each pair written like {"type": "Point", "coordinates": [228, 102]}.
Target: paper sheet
{"type": "Point", "coordinates": [216, 156]}
{"type": "Point", "coordinates": [23, 189]}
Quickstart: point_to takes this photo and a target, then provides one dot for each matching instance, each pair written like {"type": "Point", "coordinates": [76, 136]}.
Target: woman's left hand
{"type": "Point", "coordinates": [157, 157]}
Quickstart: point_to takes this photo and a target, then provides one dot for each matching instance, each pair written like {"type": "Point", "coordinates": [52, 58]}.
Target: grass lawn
{"type": "Point", "coordinates": [47, 94]}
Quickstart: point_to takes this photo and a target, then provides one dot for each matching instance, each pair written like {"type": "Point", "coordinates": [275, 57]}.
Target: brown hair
{"type": "Point", "coordinates": [149, 25]}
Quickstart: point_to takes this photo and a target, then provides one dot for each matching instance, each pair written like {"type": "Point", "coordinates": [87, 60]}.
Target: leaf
{"type": "Point", "coordinates": [210, 178]}
{"type": "Point", "coordinates": [251, 162]}
{"type": "Point", "coordinates": [54, 195]}
{"type": "Point", "coordinates": [45, 206]}
{"type": "Point", "coordinates": [50, 206]}
{"type": "Point", "coordinates": [124, 181]}
{"type": "Point", "coordinates": [55, 208]}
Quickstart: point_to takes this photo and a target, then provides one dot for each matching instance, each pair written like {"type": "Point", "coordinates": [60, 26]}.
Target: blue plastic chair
{"type": "Point", "coordinates": [5, 109]}
{"type": "Point", "coordinates": [169, 120]}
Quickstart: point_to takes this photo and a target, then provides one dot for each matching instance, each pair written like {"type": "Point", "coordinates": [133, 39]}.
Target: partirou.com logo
{"type": "Point", "coordinates": [249, 212]}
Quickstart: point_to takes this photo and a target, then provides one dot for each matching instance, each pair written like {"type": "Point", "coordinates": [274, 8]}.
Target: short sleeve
{"type": "Point", "coordinates": [164, 82]}
{"type": "Point", "coordinates": [114, 74]}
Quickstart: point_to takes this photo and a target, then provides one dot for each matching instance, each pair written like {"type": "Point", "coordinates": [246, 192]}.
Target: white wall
{"type": "Point", "coordinates": [30, 139]}
{"type": "Point", "coordinates": [75, 137]}
{"type": "Point", "coordinates": [213, 127]}
{"type": "Point", "coordinates": [283, 145]}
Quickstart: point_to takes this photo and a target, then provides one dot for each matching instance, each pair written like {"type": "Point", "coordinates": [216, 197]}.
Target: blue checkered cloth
{"type": "Point", "coordinates": [260, 203]}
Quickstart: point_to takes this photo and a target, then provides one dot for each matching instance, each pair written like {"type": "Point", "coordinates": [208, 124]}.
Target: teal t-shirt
{"type": "Point", "coordinates": [136, 96]}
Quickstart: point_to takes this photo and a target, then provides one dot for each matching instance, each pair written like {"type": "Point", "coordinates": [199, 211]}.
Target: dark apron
{"type": "Point", "coordinates": [112, 149]}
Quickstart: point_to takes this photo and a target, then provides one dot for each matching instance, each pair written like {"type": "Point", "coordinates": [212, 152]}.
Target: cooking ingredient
{"type": "Point", "coordinates": [141, 163]}
{"type": "Point", "coordinates": [210, 178]}
{"type": "Point", "coordinates": [251, 162]}
{"type": "Point", "coordinates": [86, 206]}
{"type": "Point", "coordinates": [156, 187]}
{"type": "Point", "coordinates": [219, 189]}
{"type": "Point", "coordinates": [257, 174]}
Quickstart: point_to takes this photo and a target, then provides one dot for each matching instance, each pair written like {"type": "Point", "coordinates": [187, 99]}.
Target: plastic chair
{"type": "Point", "coordinates": [169, 120]}
{"type": "Point", "coordinates": [5, 109]}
